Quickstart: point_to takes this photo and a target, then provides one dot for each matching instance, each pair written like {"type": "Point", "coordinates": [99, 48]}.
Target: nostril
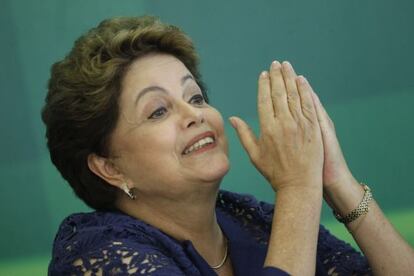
{"type": "Point", "coordinates": [199, 120]}
{"type": "Point", "coordinates": [191, 123]}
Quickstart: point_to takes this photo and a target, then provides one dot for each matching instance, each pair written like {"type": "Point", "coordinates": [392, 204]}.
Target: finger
{"type": "Point", "coordinates": [293, 98]}
{"type": "Point", "coordinates": [278, 91]}
{"type": "Point", "coordinates": [246, 136]}
{"type": "Point", "coordinates": [307, 104]}
{"type": "Point", "coordinates": [323, 116]}
{"type": "Point", "coordinates": [264, 101]}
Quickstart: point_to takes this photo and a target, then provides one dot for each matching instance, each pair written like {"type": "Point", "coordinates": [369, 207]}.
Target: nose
{"type": "Point", "coordinates": [191, 116]}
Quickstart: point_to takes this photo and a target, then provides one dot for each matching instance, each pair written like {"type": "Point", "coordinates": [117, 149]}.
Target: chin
{"type": "Point", "coordinates": [216, 170]}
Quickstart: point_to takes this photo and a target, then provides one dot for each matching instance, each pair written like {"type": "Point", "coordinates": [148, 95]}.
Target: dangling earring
{"type": "Point", "coordinates": [128, 191]}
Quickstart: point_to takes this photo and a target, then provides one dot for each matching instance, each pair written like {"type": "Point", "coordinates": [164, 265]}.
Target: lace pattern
{"type": "Point", "coordinates": [111, 243]}
{"type": "Point", "coordinates": [337, 257]}
{"type": "Point", "coordinates": [120, 259]}
{"type": "Point", "coordinates": [101, 243]}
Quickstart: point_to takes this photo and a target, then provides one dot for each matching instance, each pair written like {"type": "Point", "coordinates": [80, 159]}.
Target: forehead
{"type": "Point", "coordinates": [154, 69]}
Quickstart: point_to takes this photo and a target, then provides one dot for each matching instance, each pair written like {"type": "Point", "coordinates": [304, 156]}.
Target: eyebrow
{"type": "Point", "coordinates": [154, 88]}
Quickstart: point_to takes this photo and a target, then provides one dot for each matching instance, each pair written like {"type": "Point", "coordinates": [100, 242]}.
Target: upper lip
{"type": "Point", "coordinates": [199, 137]}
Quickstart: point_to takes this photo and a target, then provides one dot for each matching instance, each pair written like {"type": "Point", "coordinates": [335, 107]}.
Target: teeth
{"type": "Point", "coordinates": [199, 144]}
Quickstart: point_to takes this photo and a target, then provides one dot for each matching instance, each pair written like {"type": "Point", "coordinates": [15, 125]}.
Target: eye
{"type": "Point", "coordinates": [197, 99]}
{"type": "Point", "coordinates": [158, 113]}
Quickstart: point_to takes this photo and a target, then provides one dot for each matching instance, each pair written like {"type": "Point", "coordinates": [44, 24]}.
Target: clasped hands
{"type": "Point", "coordinates": [297, 140]}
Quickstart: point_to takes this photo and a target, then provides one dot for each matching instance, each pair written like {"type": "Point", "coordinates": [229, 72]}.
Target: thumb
{"type": "Point", "coordinates": [246, 135]}
{"type": "Point", "coordinates": [324, 120]}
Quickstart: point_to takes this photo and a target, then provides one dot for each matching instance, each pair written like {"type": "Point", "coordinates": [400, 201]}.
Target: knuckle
{"type": "Point", "coordinates": [277, 93]}
{"type": "Point", "coordinates": [292, 95]}
{"type": "Point", "coordinates": [307, 107]}
{"type": "Point", "coordinates": [311, 119]}
{"type": "Point", "coordinates": [292, 100]}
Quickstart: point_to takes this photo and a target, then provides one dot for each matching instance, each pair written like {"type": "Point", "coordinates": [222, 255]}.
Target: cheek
{"type": "Point", "coordinates": [159, 140]}
{"type": "Point", "coordinates": [216, 119]}
{"type": "Point", "coordinates": [150, 147]}
{"type": "Point", "coordinates": [217, 122]}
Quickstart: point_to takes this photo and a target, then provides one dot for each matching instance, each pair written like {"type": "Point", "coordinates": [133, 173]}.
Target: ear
{"type": "Point", "coordinates": [105, 169]}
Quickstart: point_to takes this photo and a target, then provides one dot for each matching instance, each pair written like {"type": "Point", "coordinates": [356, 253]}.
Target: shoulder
{"type": "Point", "coordinates": [95, 228]}
{"type": "Point", "coordinates": [108, 242]}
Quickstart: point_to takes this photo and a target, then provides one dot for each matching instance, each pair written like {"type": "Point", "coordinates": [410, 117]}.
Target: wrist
{"type": "Point", "coordinates": [299, 197]}
{"type": "Point", "coordinates": [311, 183]}
{"type": "Point", "coordinates": [301, 190]}
{"type": "Point", "coordinates": [361, 209]}
{"type": "Point", "coordinates": [338, 181]}
{"type": "Point", "coordinates": [344, 196]}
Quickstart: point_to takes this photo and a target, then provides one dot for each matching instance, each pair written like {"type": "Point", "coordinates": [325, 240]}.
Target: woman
{"type": "Point", "coordinates": [130, 128]}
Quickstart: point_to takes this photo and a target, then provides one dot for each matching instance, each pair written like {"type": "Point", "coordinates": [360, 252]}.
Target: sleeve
{"type": "Point", "coordinates": [115, 258]}
{"type": "Point", "coordinates": [340, 258]}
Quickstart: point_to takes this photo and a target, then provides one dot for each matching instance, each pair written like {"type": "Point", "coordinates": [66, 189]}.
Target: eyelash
{"type": "Point", "coordinates": [200, 99]}
{"type": "Point", "coordinates": [196, 99]}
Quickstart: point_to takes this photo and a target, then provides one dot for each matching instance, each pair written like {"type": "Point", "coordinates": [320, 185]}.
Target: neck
{"type": "Point", "coordinates": [190, 217]}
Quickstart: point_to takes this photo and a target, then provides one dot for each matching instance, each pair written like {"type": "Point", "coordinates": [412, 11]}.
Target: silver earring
{"type": "Point", "coordinates": [128, 191]}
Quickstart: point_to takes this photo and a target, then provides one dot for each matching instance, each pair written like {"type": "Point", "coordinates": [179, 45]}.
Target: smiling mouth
{"type": "Point", "coordinates": [200, 143]}
{"type": "Point", "coordinates": [207, 142]}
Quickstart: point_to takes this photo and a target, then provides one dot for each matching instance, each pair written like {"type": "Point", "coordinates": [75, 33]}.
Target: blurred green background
{"type": "Point", "coordinates": [358, 56]}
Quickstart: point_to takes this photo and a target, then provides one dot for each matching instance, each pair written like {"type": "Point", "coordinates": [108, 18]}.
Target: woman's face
{"type": "Point", "coordinates": [168, 140]}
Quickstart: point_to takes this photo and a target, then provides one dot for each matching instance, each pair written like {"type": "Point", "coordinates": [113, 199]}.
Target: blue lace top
{"type": "Point", "coordinates": [112, 243]}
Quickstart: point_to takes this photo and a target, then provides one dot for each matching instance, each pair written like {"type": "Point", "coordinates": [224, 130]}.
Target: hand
{"type": "Point", "coordinates": [335, 169]}
{"type": "Point", "coordinates": [289, 150]}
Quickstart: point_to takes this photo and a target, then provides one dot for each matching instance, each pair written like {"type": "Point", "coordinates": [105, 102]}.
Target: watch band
{"type": "Point", "coordinates": [360, 210]}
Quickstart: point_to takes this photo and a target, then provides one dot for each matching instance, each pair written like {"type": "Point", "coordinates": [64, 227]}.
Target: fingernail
{"type": "Point", "coordinates": [264, 74]}
{"type": "Point", "coordinates": [233, 122]}
{"type": "Point", "coordinates": [275, 64]}
{"type": "Point", "coordinates": [287, 64]}
{"type": "Point", "coordinates": [302, 79]}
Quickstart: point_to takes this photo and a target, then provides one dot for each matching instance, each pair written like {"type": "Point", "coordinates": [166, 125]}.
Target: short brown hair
{"type": "Point", "coordinates": [81, 107]}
